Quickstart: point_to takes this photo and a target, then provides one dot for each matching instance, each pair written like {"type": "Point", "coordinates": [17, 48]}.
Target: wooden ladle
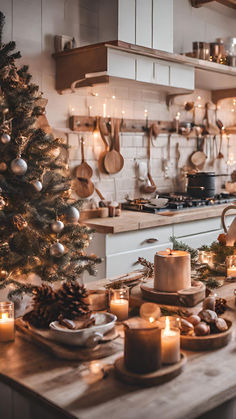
{"type": "Point", "coordinates": [113, 160]}
{"type": "Point", "coordinates": [220, 125]}
{"type": "Point", "coordinates": [83, 187]}
{"type": "Point", "coordinates": [83, 170]}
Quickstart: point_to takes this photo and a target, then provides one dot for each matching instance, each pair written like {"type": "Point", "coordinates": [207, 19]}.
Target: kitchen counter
{"type": "Point", "coordinates": [132, 220]}
{"type": "Point", "coordinates": [69, 390]}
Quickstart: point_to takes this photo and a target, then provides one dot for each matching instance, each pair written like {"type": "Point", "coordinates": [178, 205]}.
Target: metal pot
{"type": "Point", "coordinates": [201, 184]}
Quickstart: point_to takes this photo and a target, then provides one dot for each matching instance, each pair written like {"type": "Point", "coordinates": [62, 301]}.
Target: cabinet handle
{"type": "Point", "coordinates": [150, 241]}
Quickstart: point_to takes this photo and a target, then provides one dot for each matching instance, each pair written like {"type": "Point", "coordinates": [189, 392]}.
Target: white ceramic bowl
{"type": "Point", "coordinates": [89, 337]}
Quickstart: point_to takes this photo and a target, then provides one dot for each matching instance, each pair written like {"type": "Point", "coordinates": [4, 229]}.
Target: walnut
{"type": "Point", "coordinates": [194, 319]}
{"type": "Point", "coordinates": [208, 316]}
{"type": "Point", "coordinates": [186, 327]}
{"type": "Point", "coordinates": [209, 303]}
{"type": "Point", "coordinates": [202, 329]}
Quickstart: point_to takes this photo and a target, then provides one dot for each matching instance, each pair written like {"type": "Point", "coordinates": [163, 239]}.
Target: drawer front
{"type": "Point", "coordinates": [182, 76]}
{"type": "Point", "coordinates": [145, 70]}
{"type": "Point", "coordinates": [121, 64]}
{"type": "Point", "coordinates": [161, 73]}
{"type": "Point", "coordinates": [122, 263]}
{"type": "Point", "coordinates": [140, 239]}
{"type": "Point", "coordinates": [196, 227]}
{"type": "Point", "coordinates": [200, 239]}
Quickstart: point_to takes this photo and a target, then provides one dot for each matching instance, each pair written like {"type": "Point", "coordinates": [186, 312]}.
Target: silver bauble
{"type": "Point", "coordinates": [37, 185]}
{"type": "Point", "coordinates": [19, 166]}
{"type": "Point", "coordinates": [5, 138]}
{"type": "Point", "coordinates": [72, 215]}
{"type": "Point", "coordinates": [3, 166]}
{"type": "Point", "coordinates": [57, 226]}
{"type": "Point", "coordinates": [57, 250]}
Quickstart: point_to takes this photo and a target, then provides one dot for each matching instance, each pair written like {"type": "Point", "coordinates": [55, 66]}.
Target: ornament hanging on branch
{"type": "Point", "coordinates": [2, 203]}
{"type": "Point", "coordinates": [57, 250]}
{"type": "Point", "coordinates": [72, 215]}
{"type": "Point", "coordinates": [57, 226]}
{"type": "Point", "coordinates": [19, 166]}
{"type": "Point", "coordinates": [5, 138]}
{"type": "Point", "coordinates": [37, 185]}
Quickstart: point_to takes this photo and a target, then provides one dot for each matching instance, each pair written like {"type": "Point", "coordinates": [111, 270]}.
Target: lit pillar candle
{"type": "Point", "coordinates": [7, 324]}
{"type": "Point", "coordinates": [142, 352]}
{"type": "Point", "coordinates": [172, 270]}
{"type": "Point", "coordinates": [119, 303]}
{"type": "Point", "coordinates": [170, 344]}
{"type": "Point", "coordinates": [231, 272]}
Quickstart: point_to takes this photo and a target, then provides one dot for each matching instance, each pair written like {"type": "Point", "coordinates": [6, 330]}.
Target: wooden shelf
{"type": "Point", "coordinates": [73, 65]}
{"type": "Point", "coordinates": [228, 3]}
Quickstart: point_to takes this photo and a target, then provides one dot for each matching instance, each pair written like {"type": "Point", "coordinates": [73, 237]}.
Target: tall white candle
{"type": "Point", "coordinates": [120, 307]}
{"type": "Point", "coordinates": [7, 328]}
{"type": "Point", "coordinates": [170, 344]}
{"type": "Point", "coordinates": [172, 270]}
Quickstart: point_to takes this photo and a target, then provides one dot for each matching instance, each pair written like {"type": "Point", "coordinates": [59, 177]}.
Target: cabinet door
{"type": "Point", "coordinates": [126, 21]}
{"type": "Point", "coordinates": [161, 73]}
{"type": "Point", "coordinates": [144, 23]}
{"type": "Point", "coordinates": [121, 64]}
{"type": "Point", "coordinates": [163, 25]}
{"type": "Point", "coordinates": [200, 239]}
{"type": "Point", "coordinates": [144, 69]}
{"type": "Point", "coordinates": [182, 76]}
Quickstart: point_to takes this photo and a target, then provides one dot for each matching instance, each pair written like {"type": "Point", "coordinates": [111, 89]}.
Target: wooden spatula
{"type": "Point", "coordinates": [83, 170]}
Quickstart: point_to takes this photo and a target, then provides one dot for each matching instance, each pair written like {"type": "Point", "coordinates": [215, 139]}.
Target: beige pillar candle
{"type": "Point", "coordinates": [172, 270]}
{"type": "Point", "coordinates": [142, 352]}
{"type": "Point", "coordinates": [170, 344]}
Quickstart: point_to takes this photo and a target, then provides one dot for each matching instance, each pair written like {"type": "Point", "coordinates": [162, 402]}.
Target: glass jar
{"type": "Point", "coordinates": [7, 322]}
{"type": "Point", "coordinates": [231, 266]}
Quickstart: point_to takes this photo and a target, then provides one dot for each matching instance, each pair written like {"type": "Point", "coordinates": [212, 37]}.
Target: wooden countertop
{"type": "Point", "coordinates": [207, 381]}
{"type": "Point", "coordinates": [132, 220]}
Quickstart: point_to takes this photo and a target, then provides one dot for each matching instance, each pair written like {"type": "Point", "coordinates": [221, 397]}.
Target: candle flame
{"type": "Point", "coordinates": [151, 319]}
{"type": "Point", "coordinates": [4, 316]}
{"type": "Point", "coordinates": [169, 251]}
{"type": "Point", "coordinates": [167, 328]}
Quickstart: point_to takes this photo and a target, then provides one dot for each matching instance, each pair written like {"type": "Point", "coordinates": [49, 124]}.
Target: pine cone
{"type": "Point", "coordinates": [71, 301]}
{"type": "Point", "coordinates": [45, 309]}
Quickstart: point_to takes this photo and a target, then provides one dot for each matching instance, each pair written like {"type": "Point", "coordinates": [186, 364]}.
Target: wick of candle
{"type": "Point", "coordinates": [169, 251]}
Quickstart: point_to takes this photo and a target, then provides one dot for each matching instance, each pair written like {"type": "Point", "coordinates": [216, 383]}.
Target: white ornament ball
{"type": "Point", "coordinates": [2, 203]}
{"type": "Point", "coordinates": [57, 226]}
{"type": "Point", "coordinates": [3, 167]}
{"type": "Point", "coordinates": [37, 185]}
{"type": "Point", "coordinates": [72, 215]}
{"type": "Point", "coordinates": [5, 138]}
{"type": "Point", "coordinates": [57, 250]}
{"type": "Point", "coordinates": [19, 166]}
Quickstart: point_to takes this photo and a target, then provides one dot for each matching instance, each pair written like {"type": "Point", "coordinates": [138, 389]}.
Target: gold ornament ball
{"type": "Point", "coordinates": [3, 274]}
{"type": "Point", "coordinates": [3, 167]}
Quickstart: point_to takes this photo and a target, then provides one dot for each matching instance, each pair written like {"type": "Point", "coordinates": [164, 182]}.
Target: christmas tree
{"type": "Point", "coordinates": [39, 229]}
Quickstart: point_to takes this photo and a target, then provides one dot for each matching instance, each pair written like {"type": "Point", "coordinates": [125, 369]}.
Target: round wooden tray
{"type": "Point", "coordinates": [207, 343]}
{"type": "Point", "coordinates": [166, 373]}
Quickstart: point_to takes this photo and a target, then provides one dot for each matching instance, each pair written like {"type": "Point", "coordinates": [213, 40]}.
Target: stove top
{"type": "Point", "coordinates": [175, 201]}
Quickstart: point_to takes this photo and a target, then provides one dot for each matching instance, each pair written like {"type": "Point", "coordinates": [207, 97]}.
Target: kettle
{"type": "Point", "coordinates": [231, 232]}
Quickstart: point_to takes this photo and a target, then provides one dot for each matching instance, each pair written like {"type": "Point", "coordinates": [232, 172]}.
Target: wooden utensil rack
{"type": "Point", "coordinates": [88, 123]}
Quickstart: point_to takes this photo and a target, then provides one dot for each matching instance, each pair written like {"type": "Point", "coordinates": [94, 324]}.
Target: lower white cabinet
{"type": "Point", "coordinates": [121, 251]}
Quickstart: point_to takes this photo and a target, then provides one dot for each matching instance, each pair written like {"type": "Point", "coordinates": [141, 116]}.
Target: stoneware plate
{"type": "Point", "coordinates": [207, 343]}
{"type": "Point", "coordinates": [90, 337]}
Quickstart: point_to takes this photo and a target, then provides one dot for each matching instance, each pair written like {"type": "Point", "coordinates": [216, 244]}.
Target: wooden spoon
{"type": "Point", "coordinates": [83, 187]}
{"type": "Point", "coordinates": [220, 125]}
{"type": "Point", "coordinates": [151, 186]}
{"type": "Point", "coordinates": [113, 160]}
{"type": "Point", "coordinates": [83, 170]}
{"type": "Point", "coordinates": [103, 132]}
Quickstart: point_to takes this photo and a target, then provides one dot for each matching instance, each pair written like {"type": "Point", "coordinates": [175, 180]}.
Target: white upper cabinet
{"type": "Point", "coordinates": [163, 25]}
{"type": "Point", "coordinates": [144, 23]}
{"type": "Point", "coordinates": [126, 21]}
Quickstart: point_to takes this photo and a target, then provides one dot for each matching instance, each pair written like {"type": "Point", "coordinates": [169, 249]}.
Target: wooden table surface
{"type": "Point", "coordinates": [133, 220]}
{"type": "Point", "coordinates": [208, 380]}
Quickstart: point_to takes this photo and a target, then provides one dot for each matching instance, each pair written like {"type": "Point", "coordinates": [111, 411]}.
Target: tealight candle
{"type": "Point", "coordinates": [231, 266]}
{"type": "Point", "coordinates": [170, 344]}
{"type": "Point", "coordinates": [7, 324]}
{"type": "Point", "coordinates": [119, 303]}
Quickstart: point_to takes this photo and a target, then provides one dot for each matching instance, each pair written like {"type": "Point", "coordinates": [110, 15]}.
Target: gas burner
{"type": "Point", "coordinates": [176, 201]}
